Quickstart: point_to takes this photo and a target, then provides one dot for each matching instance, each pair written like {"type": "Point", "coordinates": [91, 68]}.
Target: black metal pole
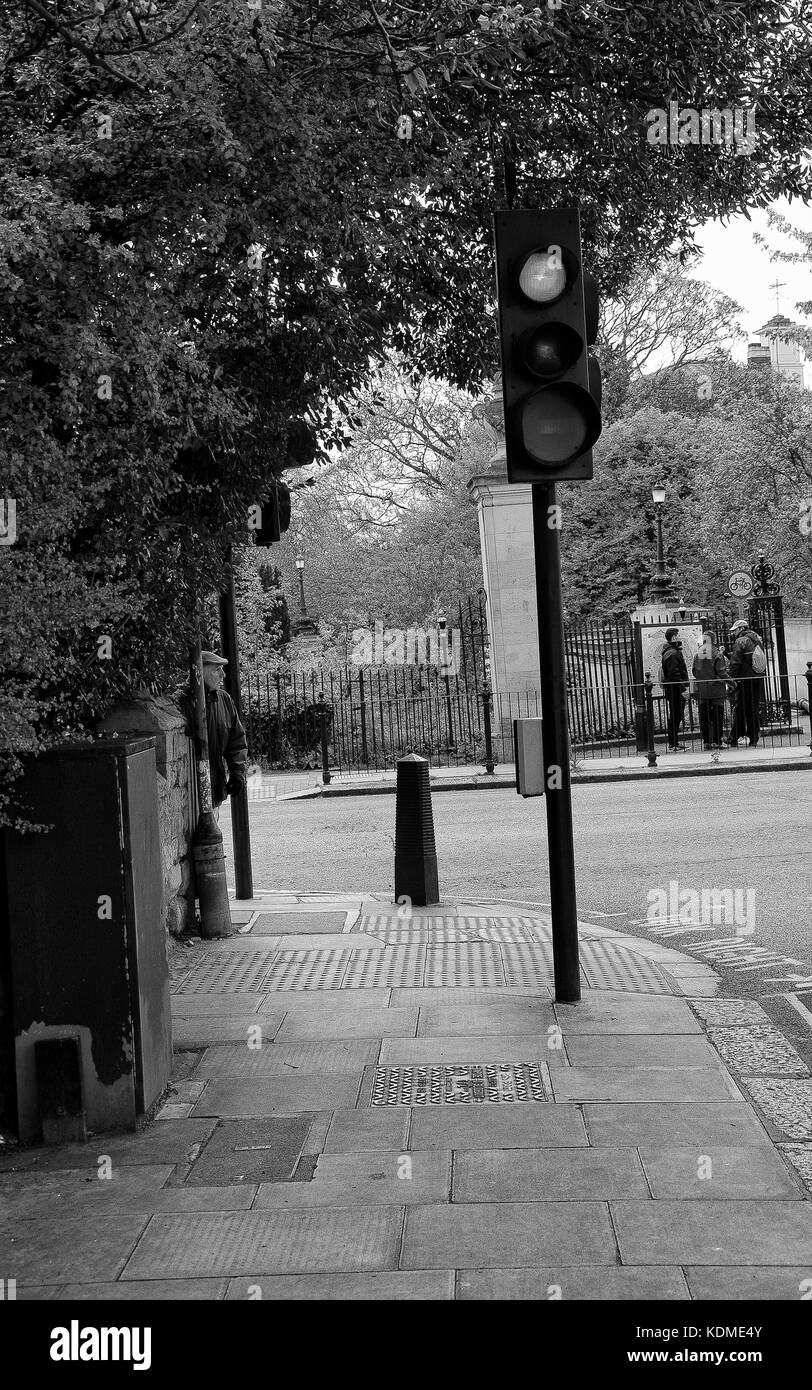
{"type": "Point", "coordinates": [240, 827]}
{"type": "Point", "coordinates": [649, 698]}
{"type": "Point", "coordinates": [555, 743]}
{"type": "Point", "coordinates": [486, 713]}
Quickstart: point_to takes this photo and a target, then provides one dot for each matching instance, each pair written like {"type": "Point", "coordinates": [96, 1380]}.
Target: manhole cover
{"type": "Point", "coordinates": [471, 1085]}
{"type": "Point", "coordinates": [288, 923]}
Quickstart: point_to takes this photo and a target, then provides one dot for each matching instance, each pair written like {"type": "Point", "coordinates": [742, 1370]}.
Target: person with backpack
{"type": "Point", "coordinates": [747, 665]}
{"type": "Point", "coordinates": [674, 681]}
{"type": "Point", "coordinates": [709, 671]}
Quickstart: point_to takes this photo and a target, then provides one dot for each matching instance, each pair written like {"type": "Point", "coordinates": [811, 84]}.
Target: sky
{"type": "Point", "coordinates": [734, 263]}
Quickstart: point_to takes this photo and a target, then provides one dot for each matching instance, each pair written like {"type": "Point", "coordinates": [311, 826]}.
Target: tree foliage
{"type": "Point", "coordinates": [209, 228]}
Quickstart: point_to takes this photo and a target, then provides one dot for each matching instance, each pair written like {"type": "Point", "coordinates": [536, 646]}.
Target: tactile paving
{"type": "Point", "coordinates": [452, 963]}
{"type": "Point", "coordinates": [530, 966]}
{"type": "Point", "coordinates": [460, 1085]}
{"type": "Point", "coordinates": [307, 970]}
{"type": "Point", "coordinates": [396, 931]}
{"type": "Point", "coordinates": [396, 966]}
{"type": "Point", "coordinates": [616, 967]}
{"type": "Point", "coordinates": [227, 973]}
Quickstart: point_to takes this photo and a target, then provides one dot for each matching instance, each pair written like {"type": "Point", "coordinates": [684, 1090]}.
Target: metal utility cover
{"type": "Point", "coordinates": [286, 923]}
{"type": "Point", "coordinates": [251, 1151]}
{"type": "Point", "coordinates": [460, 1085]}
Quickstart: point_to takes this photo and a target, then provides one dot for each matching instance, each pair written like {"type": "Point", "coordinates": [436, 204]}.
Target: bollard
{"type": "Point", "coordinates": [415, 850]}
{"type": "Point", "coordinates": [210, 878]}
{"type": "Point", "coordinates": [650, 749]}
{"type": "Point", "coordinates": [640, 719]}
{"type": "Point", "coordinates": [486, 714]}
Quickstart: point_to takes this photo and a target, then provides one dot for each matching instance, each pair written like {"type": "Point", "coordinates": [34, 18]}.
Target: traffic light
{"type": "Point", "coordinates": [548, 317]}
{"type": "Point", "coordinates": [270, 518]}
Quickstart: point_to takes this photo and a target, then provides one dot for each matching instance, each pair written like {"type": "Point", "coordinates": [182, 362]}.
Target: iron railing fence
{"type": "Point", "coordinates": [373, 717]}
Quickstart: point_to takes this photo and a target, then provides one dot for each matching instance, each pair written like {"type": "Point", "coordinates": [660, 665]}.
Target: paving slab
{"type": "Point", "coordinates": [588, 1282]}
{"type": "Point", "coordinates": [539, 1126]}
{"type": "Point", "coordinates": [674, 1123]}
{"type": "Point", "coordinates": [718, 1172]}
{"type": "Point", "coordinates": [714, 1232]}
{"type": "Point", "coordinates": [37, 1293]}
{"type": "Point", "coordinates": [141, 1177]}
{"type": "Point", "coordinates": [335, 941]}
{"type": "Point", "coordinates": [357, 1131]}
{"type": "Point", "coordinates": [653, 1083]}
{"type": "Point", "coordinates": [626, 1013]}
{"type": "Point", "coordinates": [104, 1198]}
{"type": "Point", "coordinates": [237, 1098]}
{"type": "Point", "coordinates": [202, 1032]}
{"type": "Point", "coordinates": [641, 1050]}
{"type": "Point", "coordinates": [547, 1175]}
{"type": "Point", "coordinates": [169, 1142]}
{"type": "Point", "coordinates": [215, 1005]}
{"type": "Point", "coordinates": [281, 923]}
{"type": "Point", "coordinates": [510, 1234]}
{"type": "Point", "coordinates": [512, 1016]}
{"type": "Point", "coordinates": [387, 1177]}
{"type": "Point", "coordinates": [271, 1242]}
{"type": "Point", "coordinates": [342, 1020]}
{"type": "Point", "coordinates": [399, 1286]}
{"type": "Point", "coordinates": [488, 1048]}
{"type": "Point", "coordinates": [54, 1251]}
{"type": "Point", "coordinates": [286, 1059]}
{"type": "Point", "coordinates": [154, 1290]}
{"type": "Point", "coordinates": [251, 1152]}
{"type": "Point", "coordinates": [459, 996]}
{"type": "Point", "coordinates": [300, 1002]}
{"type": "Point", "coordinates": [761, 1283]}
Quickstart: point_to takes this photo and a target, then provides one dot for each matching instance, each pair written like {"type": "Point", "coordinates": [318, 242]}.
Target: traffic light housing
{"type": "Point", "coordinates": [271, 518]}
{"type": "Point", "coordinates": [548, 317]}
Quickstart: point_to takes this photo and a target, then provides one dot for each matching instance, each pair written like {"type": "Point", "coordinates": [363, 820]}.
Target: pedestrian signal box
{"type": "Point", "coordinates": [528, 755]}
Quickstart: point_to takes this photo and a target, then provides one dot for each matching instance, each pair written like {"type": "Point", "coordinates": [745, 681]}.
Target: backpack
{"type": "Point", "coordinates": [759, 660]}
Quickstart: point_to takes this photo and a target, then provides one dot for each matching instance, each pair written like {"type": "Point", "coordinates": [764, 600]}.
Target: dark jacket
{"type": "Point", "coordinates": [228, 745]}
{"type": "Point", "coordinates": [709, 674]}
{"type": "Point", "coordinates": [675, 672]}
{"type": "Point", "coordinates": [741, 658]}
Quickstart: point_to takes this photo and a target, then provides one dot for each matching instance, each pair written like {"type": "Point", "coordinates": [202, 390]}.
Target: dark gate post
{"type": "Point", "coordinates": [486, 715]}
{"type": "Point", "coordinates": [364, 753]}
{"type": "Point", "coordinates": [649, 699]}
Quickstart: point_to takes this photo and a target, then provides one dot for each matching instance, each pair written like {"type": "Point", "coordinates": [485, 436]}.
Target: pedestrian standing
{"type": "Point", "coordinates": [228, 745]}
{"type": "Point", "coordinates": [709, 671]}
{"type": "Point", "coordinates": [675, 685]}
{"type": "Point", "coordinates": [747, 664]}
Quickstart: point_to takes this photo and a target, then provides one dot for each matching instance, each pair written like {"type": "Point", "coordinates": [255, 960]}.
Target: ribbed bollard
{"type": "Point", "coordinates": [415, 851]}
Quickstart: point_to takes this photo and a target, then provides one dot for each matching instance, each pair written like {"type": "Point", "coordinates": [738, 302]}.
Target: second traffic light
{"type": "Point", "coordinates": [548, 313]}
{"type": "Point", "coordinates": [269, 519]}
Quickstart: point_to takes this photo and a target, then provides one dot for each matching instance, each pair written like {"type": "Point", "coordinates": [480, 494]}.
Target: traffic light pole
{"type": "Point", "coordinates": [555, 741]}
{"type": "Point", "coordinates": [240, 827]}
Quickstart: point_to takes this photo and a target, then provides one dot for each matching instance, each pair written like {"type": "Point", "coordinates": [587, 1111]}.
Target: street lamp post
{"type": "Point", "coordinates": [300, 567]}
{"type": "Point", "coordinates": [660, 583]}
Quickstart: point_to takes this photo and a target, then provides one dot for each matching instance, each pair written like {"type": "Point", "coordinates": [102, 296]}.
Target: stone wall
{"type": "Point", "coordinates": [177, 796]}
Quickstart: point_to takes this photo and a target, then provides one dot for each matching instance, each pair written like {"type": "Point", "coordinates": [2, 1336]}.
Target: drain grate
{"type": "Point", "coordinates": [461, 1085]}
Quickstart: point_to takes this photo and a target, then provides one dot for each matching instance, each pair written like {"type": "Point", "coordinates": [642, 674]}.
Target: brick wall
{"type": "Point", "coordinates": [177, 796]}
